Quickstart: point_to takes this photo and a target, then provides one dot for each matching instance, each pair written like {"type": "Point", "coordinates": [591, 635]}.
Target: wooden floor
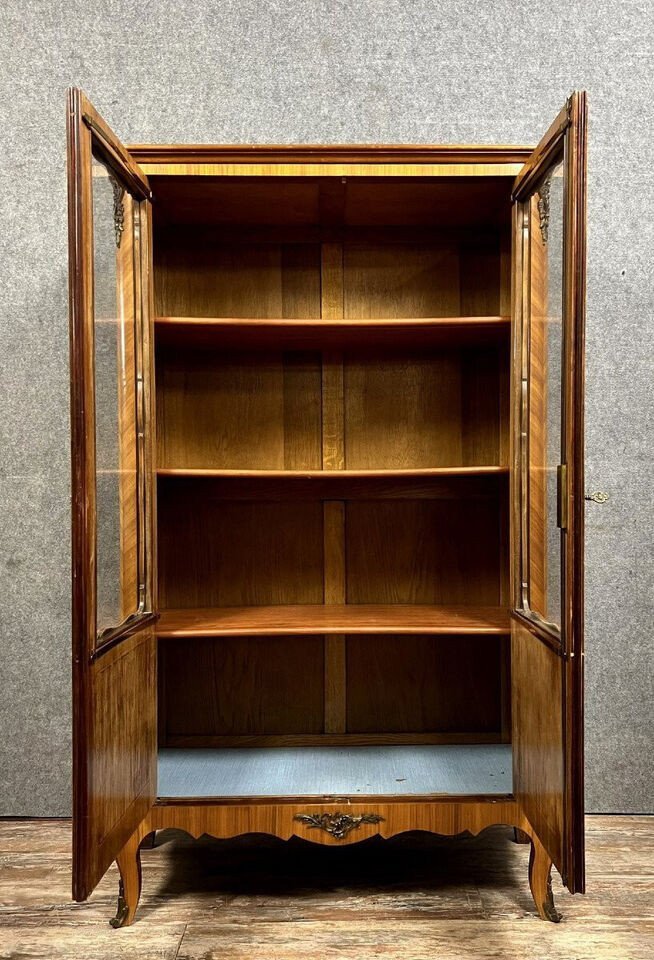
{"type": "Point", "coordinates": [412, 898]}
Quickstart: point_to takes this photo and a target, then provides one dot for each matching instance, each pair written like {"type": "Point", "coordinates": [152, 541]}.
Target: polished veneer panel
{"type": "Point", "coordinates": [327, 771]}
{"type": "Point", "coordinates": [333, 618]}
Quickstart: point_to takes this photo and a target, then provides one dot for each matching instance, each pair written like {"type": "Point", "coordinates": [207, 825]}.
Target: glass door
{"type": "Point", "coordinates": [549, 304]}
{"type": "Point", "coordinates": [114, 681]}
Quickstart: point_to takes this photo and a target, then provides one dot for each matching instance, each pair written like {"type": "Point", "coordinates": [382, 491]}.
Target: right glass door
{"type": "Point", "coordinates": [548, 314]}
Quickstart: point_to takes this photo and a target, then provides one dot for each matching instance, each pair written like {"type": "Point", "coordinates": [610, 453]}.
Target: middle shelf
{"type": "Point", "coordinates": [287, 619]}
{"type": "Point", "coordinates": [420, 473]}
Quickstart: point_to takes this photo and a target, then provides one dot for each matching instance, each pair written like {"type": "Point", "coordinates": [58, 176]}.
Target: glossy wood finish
{"type": "Point", "coordinates": [469, 155]}
{"type": "Point", "coordinates": [444, 817]}
{"type": "Point", "coordinates": [560, 813]}
{"type": "Point", "coordinates": [307, 334]}
{"type": "Point", "coordinates": [114, 769]}
{"type": "Point", "coordinates": [207, 160]}
{"type": "Point", "coordinates": [333, 405]}
{"type": "Point", "coordinates": [403, 473]}
{"type": "Point", "coordinates": [333, 618]}
{"type": "Point", "coordinates": [538, 737]}
{"type": "Point", "coordinates": [120, 752]}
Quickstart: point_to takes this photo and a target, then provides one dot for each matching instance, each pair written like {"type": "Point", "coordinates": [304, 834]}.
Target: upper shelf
{"type": "Point", "coordinates": [333, 618]}
{"type": "Point", "coordinates": [315, 333]}
{"type": "Point", "coordinates": [418, 474]}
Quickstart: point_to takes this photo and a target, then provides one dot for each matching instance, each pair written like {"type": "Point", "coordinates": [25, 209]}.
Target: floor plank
{"type": "Point", "coordinates": [409, 898]}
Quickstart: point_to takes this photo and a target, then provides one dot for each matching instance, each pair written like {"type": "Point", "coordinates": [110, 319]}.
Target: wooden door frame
{"type": "Point", "coordinates": [88, 133]}
{"type": "Point", "coordinates": [566, 137]}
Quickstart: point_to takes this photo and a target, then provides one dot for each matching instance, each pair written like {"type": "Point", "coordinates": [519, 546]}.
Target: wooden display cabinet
{"type": "Point", "coordinates": [350, 379]}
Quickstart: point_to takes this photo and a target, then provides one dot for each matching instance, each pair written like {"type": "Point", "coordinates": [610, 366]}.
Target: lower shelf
{"type": "Point", "coordinates": [333, 618]}
{"type": "Point", "coordinates": [452, 769]}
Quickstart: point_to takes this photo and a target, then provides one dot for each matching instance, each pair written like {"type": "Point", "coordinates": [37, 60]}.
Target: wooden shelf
{"type": "Point", "coordinates": [332, 618]}
{"type": "Point", "coordinates": [306, 333]}
{"type": "Point", "coordinates": [419, 474]}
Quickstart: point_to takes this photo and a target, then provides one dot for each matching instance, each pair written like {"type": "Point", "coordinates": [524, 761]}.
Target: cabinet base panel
{"type": "Point", "coordinates": [334, 822]}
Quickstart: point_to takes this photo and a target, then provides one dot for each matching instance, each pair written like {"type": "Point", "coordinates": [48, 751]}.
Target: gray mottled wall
{"type": "Point", "coordinates": [366, 70]}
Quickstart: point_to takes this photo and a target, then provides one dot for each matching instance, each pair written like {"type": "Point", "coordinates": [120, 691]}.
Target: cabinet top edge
{"type": "Point", "coordinates": [328, 153]}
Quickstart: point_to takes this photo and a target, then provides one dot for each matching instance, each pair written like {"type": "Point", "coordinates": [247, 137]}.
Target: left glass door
{"type": "Point", "coordinates": [114, 606]}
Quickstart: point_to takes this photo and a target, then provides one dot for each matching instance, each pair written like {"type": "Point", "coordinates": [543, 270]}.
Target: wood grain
{"type": "Point", "coordinates": [332, 618]}
{"type": "Point", "coordinates": [242, 686]}
{"type": "Point", "coordinates": [239, 553]}
{"type": "Point", "coordinates": [114, 689]}
{"type": "Point", "coordinates": [401, 473]}
{"type": "Point", "coordinates": [197, 275]}
{"type": "Point", "coordinates": [401, 280]}
{"type": "Point", "coordinates": [431, 560]}
{"type": "Point", "coordinates": [465, 166]}
{"type": "Point", "coordinates": [468, 156]}
{"type": "Point", "coordinates": [121, 774]}
{"type": "Point", "coordinates": [405, 683]}
{"type": "Point", "coordinates": [306, 333]}
{"type": "Point", "coordinates": [235, 411]}
{"type": "Point", "coordinates": [334, 645]}
{"type": "Point", "coordinates": [334, 740]}
{"type": "Point", "coordinates": [417, 410]}
{"type": "Point", "coordinates": [538, 752]}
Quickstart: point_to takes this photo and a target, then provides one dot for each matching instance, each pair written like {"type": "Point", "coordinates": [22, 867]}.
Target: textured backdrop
{"type": "Point", "coordinates": [390, 71]}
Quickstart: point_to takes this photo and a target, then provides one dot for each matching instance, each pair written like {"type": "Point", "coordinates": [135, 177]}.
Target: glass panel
{"type": "Point", "coordinates": [116, 436]}
{"type": "Point", "coordinates": [545, 369]}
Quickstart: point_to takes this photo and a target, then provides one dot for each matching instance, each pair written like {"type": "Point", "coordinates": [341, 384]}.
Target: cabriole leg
{"type": "Point", "coordinates": [540, 881]}
{"type": "Point", "coordinates": [129, 891]}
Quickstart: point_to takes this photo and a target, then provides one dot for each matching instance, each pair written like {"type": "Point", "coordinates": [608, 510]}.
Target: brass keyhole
{"type": "Point", "coordinates": [598, 497]}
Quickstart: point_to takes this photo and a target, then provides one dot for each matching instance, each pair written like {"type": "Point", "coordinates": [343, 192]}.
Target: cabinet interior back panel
{"type": "Point", "coordinates": [232, 410]}
{"type": "Point", "coordinates": [402, 408]}
{"type": "Point", "coordinates": [274, 686]}
{"type": "Point", "coordinates": [241, 686]}
{"type": "Point", "coordinates": [200, 275]}
{"type": "Point", "coordinates": [423, 551]}
{"type": "Point", "coordinates": [430, 278]}
{"type": "Point", "coordinates": [424, 409]}
{"type": "Point", "coordinates": [403, 684]}
{"type": "Point", "coordinates": [216, 553]}
{"type": "Point", "coordinates": [450, 202]}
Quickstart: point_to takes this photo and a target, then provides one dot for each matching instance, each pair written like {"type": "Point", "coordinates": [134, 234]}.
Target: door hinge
{"type": "Point", "coordinates": [562, 496]}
